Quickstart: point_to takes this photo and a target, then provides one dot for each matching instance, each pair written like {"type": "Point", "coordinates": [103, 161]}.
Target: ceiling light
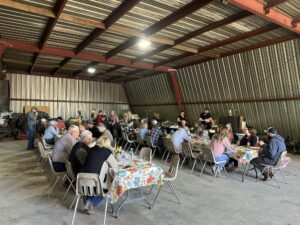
{"type": "Point", "coordinates": [91, 70]}
{"type": "Point", "coordinates": [144, 43]}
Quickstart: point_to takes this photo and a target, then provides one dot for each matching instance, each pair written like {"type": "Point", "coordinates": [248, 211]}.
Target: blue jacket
{"type": "Point", "coordinates": [273, 149]}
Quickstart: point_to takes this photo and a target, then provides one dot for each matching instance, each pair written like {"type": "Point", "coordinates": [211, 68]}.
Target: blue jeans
{"type": "Point", "coordinates": [95, 200]}
{"type": "Point", "coordinates": [222, 157]}
{"type": "Point", "coordinates": [31, 136]}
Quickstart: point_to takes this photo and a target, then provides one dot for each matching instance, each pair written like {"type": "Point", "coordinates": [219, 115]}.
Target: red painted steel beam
{"type": "Point", "coordinates": [245, 49]}
{"type": "Point", "coordinates": [163, 23]}
{"type": "Point", "coordinates": [58, 8]}
{"type": "Point", "coordinates": [118, 13]}
{"type": "Point", "coordinates": [82, 56]}
{"type": "Point", "coordinates": [177, 91]}
{"type": "Point", "coordinates": [295, 21]}
{"type": "Point", "coordinates": [256, 7]}
{"type": "Point", "coordinates": [127, 95]}
{"type": "Point", "coordinates": [196, 33]}
{"type": "Point", "coordinates": [273, 3]}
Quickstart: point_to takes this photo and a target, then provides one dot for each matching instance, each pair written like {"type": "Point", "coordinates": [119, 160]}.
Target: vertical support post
{"type": "Point", "coordinates": [126, 95]}
{"type": "Point", "coordinates": [177, 92]}
{"type": "Point", "coordinates": [2, 48]}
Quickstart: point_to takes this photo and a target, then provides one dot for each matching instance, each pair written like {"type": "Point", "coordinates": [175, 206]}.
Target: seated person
{"type": "Point", "coordinates": [63, 148]}
{"type": "Point", "coordinates": [270, 153]}
{"type": "Point", "coordinates": [143, 130]}
{"type": "Point", "coordinates": [181, 117]}
{"type": "Point", "coordinates": [60, 124]}
{"type": "Point", "coordinates": [250, 137]}
{"type": "Point", "coordinates": [156, 133]}
{"type": "Point", "coordinates": [184, 126]}
{"type": "Point", "coordinates": [80, 150]}
{"type": "Point", "coordinates": [218, 144]}
{"type": "Point", "coordinates": [232, 137]}
{"type": "Point", "coordinates": [202, 132]}
{"type": "Point", "coordinates": [51, 133]}
{"type": "Point", "coordinates": [97, 155]}
{"type": "Point", "coordinates": [105, 132]}
{"type": "Point", "coordinates": [41, 127]}
{"type": "Point", "coordinates": [81, 127]}
{"type": "Point", "coordinates": [93, 128]}
{"type": "Point", "coordinates": [178, 138]}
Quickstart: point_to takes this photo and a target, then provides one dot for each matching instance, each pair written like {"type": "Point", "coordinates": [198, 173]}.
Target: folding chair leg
{"type": "Point", "coordinates": [162, 158]}
{"type": "Point", "coordinates": [105, 211]}
{"type": "Point", "coordinates": [77, 200]}
{"type": "Point", "coordinates": [195, 162]}
{"type": "Point", "coordinates": [283, 176]}
{"type": "Point", "coordinates": [151, 189]}
{"type": "Point", "coordinates": [154, 152]}
{"type": "Point", "coordinates": [167, 157]}
{"type": "Point", "coordinates": [157, 195]}
{"type": "Point", "coordinates": [70, 185]}
{"type": "Point", "coordinates": [53, 186]}
{"type": "Point", "coordinates": [182, 162]}
{"type": "Point", "coordinates": [173, 190]}
{"type": "Point", "coordinates": [202, 168]}
{"type": "Point", "coordinates": [217, 171]}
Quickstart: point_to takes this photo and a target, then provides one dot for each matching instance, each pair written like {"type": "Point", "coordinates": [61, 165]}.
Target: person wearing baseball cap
{"type": "Point", "coordinates": [51, 133]}
{"type": "Point", "coordinates": [271, 152]}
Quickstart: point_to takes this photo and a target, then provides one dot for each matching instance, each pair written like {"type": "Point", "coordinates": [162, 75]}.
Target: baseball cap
{"type": "Point", "coordinates": [154, 122]}
{"type": "Point", "coordinates": [52, 122]}
{"type": "Point", "coordinates": [271, 130]}
{"type": "Point", "coordinates": [89, 122]}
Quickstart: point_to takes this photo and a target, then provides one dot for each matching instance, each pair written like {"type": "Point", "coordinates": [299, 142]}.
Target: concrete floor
{"type": "Point", "coordinates": [24, 201]}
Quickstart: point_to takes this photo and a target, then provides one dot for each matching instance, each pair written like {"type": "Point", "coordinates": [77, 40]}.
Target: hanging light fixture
{"type": "Point", "coordinates": [144, 43]}
{"type": "Point", "coordinates": [91, 70]}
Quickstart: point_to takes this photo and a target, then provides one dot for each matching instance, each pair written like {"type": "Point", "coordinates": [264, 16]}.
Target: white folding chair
{"type": "Point", "coordinates": [146, 154]}
{"type": "Point", "coordinates": [187, 152]}
{"type": "Point", "coordinates": [71, 178]}
{"type": "Point", "coordinates": [57, 175]}
{"type": "Point", "coordinates": [43, 154]}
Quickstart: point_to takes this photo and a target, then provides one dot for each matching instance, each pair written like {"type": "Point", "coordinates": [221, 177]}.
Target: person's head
{"type": "Point", "coordinates": [113, 113]}
{"type": "Point", "coordinates": [60, 118]}
{"type": "Point", "coordinates": [79, 111]}
{"type": "Point", "coordinates": [154, 122]}
{"type": "Point", "coordinates": [89, 124]}
{"type": "Point", "coordinates": [271, 132]}
{"type": "Point", "coordinates": [182, 113]}
{"type": "Point", "coordinates": [101, 127]}
{"type": "Point", "coordinates": [93, 110]}
{"type": "Point", "coordinates": [183, 123]}
{"type": "Point", "coordinates": [221, 134]}
{"type": "Point", "coordinates": [74, 131]}
{"type": "Point", "coordinates": [144, 125]}
{"type": "Point", "coordinates": [205, 110]}
{"type": "Point", "coordinates": [43, 121]}
{"type": "Point", "coordinates": [81, 127]}
{"type": "Point", "coordinates": [219, 128]}
{"type": "Point", "coordinates": [100, 112]}
{"type": "Point", "coordinates": [86, 137]}
{"type": "Point", "coordinates": [34, 109]}
{"type": "Point", "coordinates": [201, 127]}
{"type": "Point", "coordinates": [53, 123]}
{"type": "Point", "coordinates": [228, 126]}
{"type": "Point", "coordinates": [104, 142]}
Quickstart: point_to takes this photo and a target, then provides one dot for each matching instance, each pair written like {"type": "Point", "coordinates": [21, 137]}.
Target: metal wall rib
{"type": "Point", "coordinates": [150, 91]}
{"type": "Point", "coordinates": [270, 72]}
{"type": "Point", "coordinates": [65, 96]}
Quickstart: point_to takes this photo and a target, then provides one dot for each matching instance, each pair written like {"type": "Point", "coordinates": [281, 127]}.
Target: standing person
{"type": "Point", "coordinates": [181, 117]}
{"type": "Point", "coordinates": [206, 119]}
{"type": "Point", "coordinates": [270, 153]}
{"type": "Point", "coordinates": [31, 126]}
{"type": "Point", "coordinates": [99, 118]}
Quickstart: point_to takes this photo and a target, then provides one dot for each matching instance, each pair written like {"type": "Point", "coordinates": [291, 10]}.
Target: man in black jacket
{"type": "Point", "coordinates": [80, 150]}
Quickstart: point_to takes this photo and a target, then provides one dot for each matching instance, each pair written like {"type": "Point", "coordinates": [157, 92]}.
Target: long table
{"type": "Point", "coordinates": [133, 174]}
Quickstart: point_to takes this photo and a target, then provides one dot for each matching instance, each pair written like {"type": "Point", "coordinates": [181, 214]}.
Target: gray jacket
{"type": "Point", "coordinates": [63, 148]}
{"type": "Point", "coordinates": [31, 119]}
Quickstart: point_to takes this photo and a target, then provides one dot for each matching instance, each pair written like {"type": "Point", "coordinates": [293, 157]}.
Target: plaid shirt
{"type": "Point", "coordinates": [156, 134]}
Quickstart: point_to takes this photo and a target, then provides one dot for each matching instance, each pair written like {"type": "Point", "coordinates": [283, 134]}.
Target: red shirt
{"type": "Point", "coordinates": [99, 118]}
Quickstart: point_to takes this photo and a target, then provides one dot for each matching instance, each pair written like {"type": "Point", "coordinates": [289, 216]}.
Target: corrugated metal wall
{"type": "Point", "coordinates": [267, 73]}
{"type": "Point", "coordinates": [151, 91]}
{"type": "Point", "coordinates": [65, 96]}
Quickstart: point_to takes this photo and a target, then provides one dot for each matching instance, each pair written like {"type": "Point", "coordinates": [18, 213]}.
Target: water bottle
{"type": "Point", "coordinates": [131, 153]}
{"type": "Point", "coordinates": [248, 144]}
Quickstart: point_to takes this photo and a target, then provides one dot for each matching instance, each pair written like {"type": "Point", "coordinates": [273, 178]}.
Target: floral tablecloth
{"type": "Point", "coordinates": [243, 154]}
{"type": "Point", "coordinates": [134, 174]}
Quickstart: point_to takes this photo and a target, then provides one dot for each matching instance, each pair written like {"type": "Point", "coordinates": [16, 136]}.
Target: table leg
{"type": "Point", "coordinates": [122, 204]}
{"type": "Point", "coordinates": [247, 166]}
{"type": "Point", "coordinates": [144, 198]}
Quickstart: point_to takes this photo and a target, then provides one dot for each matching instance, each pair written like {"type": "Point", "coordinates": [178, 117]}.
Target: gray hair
{"type": "Point", "coordinates": [101, 125]}
{"type": "Point", "coordinates": [72, 127]}
{"type": "Point", "coordinates": [85, 134]}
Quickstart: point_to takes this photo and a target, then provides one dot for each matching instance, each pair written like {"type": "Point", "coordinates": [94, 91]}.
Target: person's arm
{"type": "Point", "coordinates": [226, 143]}
{"type": "Point", "coordinates": [54, 132]}
{"type": "Point", "coordinates": [270, 150]}
{"type": "Point", "coordinates": [187, 137]}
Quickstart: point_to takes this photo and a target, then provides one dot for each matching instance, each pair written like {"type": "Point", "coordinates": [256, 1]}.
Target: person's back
{"type": "Point", "coordinates": [273, 149]}
{"type": "Point", "coordinates": [143, 133]}
{"type": "Point", "coordinates": [178, 138]}
{"type": "Point", "coordinates": [78, 156]}
{"type": "Point", "coordinates": [108, 134]}
{"type": "Point", "coordinates": [63, 147]}
{"type": "Point", "coordinates": [156, 134]}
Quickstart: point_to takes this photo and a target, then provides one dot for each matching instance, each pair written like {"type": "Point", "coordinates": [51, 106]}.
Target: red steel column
{"type": "Point", "coordinates": [2, 48]}
{"type": "Point", "coordinates": [127, 96]}
{"type": "Point", "coordinates": [177, 92]}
